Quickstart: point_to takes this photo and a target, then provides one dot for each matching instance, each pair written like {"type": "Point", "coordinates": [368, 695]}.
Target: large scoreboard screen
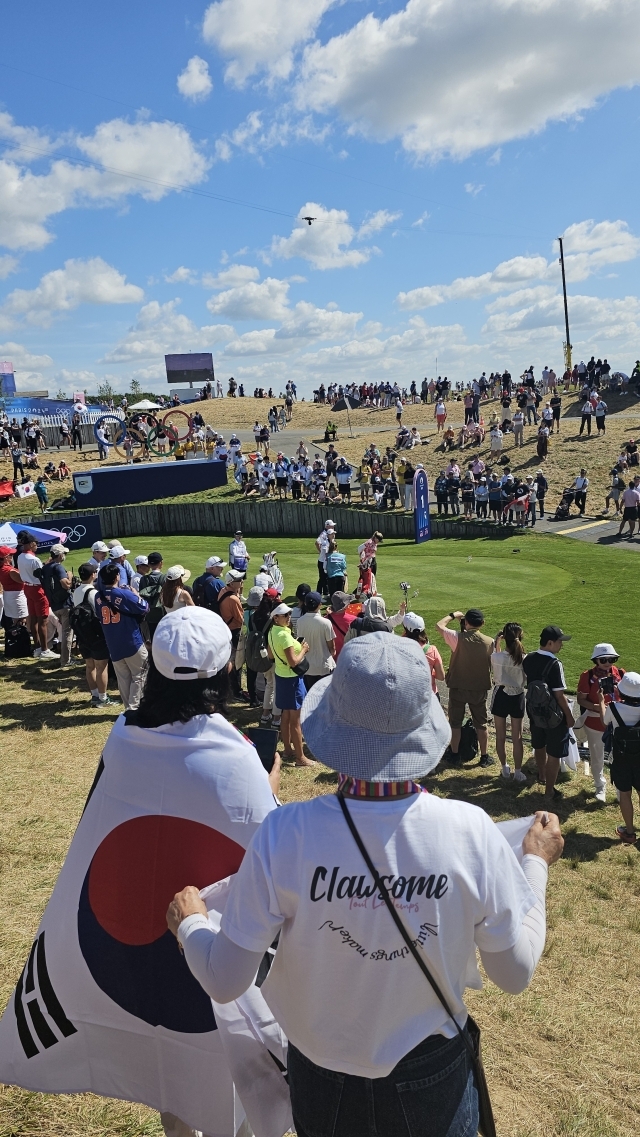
{"type": "Point", "coordinates": [194, 367]}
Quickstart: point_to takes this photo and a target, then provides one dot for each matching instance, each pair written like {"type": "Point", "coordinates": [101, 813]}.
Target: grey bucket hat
{"type": "Point", "coordinates": [375, 717]}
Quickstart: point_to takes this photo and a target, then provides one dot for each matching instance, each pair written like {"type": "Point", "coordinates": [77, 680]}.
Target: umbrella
{"type": "Point", "coordinates": [145, 405]}
{"type": "Point", "coordinates": [45, 537]}
{"type": "Point", "coordinates": [349, 401]}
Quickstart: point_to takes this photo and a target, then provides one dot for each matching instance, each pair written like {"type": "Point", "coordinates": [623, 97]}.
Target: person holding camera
{"type": "Point", "coordinates": [549, 712]}
{"type": "Point", "coordinates": [600, 680]}
{"type": "Point", "coordinates": [468, 677]}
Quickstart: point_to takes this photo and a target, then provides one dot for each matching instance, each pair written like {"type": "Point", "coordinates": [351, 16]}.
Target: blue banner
{"type": "Point", "coordinates": [82, 530]}
{"type": "Point", "coordinates": [421, 518]}
{"type": "Point", "coordinates": [38, 408]}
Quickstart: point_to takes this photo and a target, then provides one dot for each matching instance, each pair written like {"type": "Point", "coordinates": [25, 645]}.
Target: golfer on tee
{"type": "Point", "coordinates": [369, 1042]}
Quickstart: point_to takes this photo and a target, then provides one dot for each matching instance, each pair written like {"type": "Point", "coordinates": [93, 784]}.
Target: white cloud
{"type": "Point", "coordinates": [453, 77]}
{"type": "Point", "coordinates": [325, 243]}
{"type": "Point", "coordinates": [260, 35]}
{"type": "Point", "coordinates": [182, 275]}
{"type": "Point", "coordinates": [508, 273]}
{"type": "Point", "coordinates": [22, 358]}
{"type": "Point", "coordinates": [79, 282]}
{"type": "Point", "coordinates": [252, 301]}
{"type": "Point", "coordinates": [148, 159]}
{"type": "Point", "coordinates": [473, 189]}
{"type": "Point", "coordinates": [195, 82]}
{"type": "Point", "coordinates": [376, 222]}
{"type": "Point", "coordinates": [7, 266]}
{"type": "Point", "coordinates": [589, 246]}
{"type": "Point", "coordinates": [77, 380]}
{"type": "Point", "coordinates": [253, 136]}
{"type": "Point", "coordinates": [303, 324]}
{"type": "Point", "coordinates": [161, 328]}
{"type": "Point", "coordinates": [418, 224]}
{"type": "Point", "coordinates": [231, 277]}
{"type": "Point", "coordinates": [610, 318]}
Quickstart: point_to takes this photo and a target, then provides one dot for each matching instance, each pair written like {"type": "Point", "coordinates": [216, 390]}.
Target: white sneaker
{"type": "Point", "coordinates": [506, 772]}
{"type": "Point", "coordinates": [519, 776]}
{"type": "Point", "coordinates": [37, 653]}
{"type": "Point", "coordinates": [601, 795]}
{"type": "Point", "coordinates": [49, 655]}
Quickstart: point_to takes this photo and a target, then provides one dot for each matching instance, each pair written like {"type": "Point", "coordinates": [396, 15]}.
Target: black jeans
{"type": "Point", "coordinates": [443, 504]}
{"type": "Point", "coordinates": [430, 1091]}
{"type": "Point", "coordinates": [323, 583]}
{"type": "Point", "coordinates": [586, 421]}
{"type": "Point", "coordinates": [581, 500]}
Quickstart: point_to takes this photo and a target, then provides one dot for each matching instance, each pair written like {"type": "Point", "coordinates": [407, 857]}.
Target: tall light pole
{"type": "Point", "coordinates": [567, 344]}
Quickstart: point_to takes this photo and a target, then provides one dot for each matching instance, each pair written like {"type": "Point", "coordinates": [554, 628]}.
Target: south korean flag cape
{"type": "Point", "coordinates": [106, 1002]}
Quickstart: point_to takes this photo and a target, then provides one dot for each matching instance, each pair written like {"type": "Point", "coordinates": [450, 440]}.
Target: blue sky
{"type": "Point", "coordinates": [155, 161]}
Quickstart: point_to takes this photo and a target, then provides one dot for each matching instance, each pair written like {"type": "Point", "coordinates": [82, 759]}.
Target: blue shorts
{"type": "Point", "coordinates": [289, 693]}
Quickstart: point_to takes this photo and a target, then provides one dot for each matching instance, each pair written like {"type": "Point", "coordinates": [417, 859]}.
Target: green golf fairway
{"type": "Point", "coordinates": [533, 579]}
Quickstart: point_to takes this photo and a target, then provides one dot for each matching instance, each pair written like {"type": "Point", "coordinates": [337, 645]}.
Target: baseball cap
{"type": "Point", "coordinates": [552, 632]}
{"type": "Point", "coordinates": [178, 572]}
{"type": "Point", "coordinates": [255, 596]}
{"type": "Point", "coordinates": [272, 593]}
{"type": "Point", "coordinates": [602, 651]}
{"type": "Point", "coordinates": [99, 547]}
{"type": "Point", "coordinates": [329, 524]}
{"type": "Point", "coordinates": [191, 643]}
{"type": "Point", "coordinates": [281, 610]}
{"type": "Point", "coordinates": [155, 558]}
{"type": "Point", "coordinates": [474, 616]}
{"type": "Point", "coordinates": [5, 551]}
{"type": "Point", "coordinates": [412, 622]}
{"type": "Point", "coordinates": [58, 550]}
{"type": "Point", "coordinates": [233, 576]}
{"type": "Point", "coordinates": [313, 599]}
{"type": "Point", "coordinates": [214, 562]}
{"type": "Point", "coordinates": [238, 533]}
{"type": "Point", "coordinates": [118, 551]}
{"type": "Point", "coordinates": [141, 560]}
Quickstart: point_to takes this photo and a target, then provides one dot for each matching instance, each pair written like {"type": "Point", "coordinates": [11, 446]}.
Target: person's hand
{"type": "Point", "coordinates": [403, 607]}
{"type": "Point", "coordinates": [458, 615]}
{"type": "Point", "coordinates": [304, 647]}
{"type": "Point", "coordinates": [544, 838]}
{"type": "Point", "coordinates": [570, 721]}
{"type": "Point", "coordinates": [185, 903]}
{"type": "Point", "coordinates": [274, 776]}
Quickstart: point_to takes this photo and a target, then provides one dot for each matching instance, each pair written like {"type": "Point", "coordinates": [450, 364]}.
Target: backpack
{"type": "Point", "coordinates": [255, 645]}
{"type": "Point", "coordinates": [626, 739]}
{"type": "Point", "coordinates": [150, 589]}
{"type": "Point", "coordinates": [468, 747]}
{"type": "Point", "coordinates": [83, 620]}
{"type": "Point", "coordinates": [17, 642]}
{"type": "Point", "coordinates": [542, 707]}
{"type": "Point", "coordinates": [199, 594]}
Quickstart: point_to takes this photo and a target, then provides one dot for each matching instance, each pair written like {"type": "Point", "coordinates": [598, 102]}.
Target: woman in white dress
{"type": "Point", "coordinates": [174, 595]}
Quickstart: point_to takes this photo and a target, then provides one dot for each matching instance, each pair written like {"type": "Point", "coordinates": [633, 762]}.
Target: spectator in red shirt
{"type": "Point", "coordinates": [340, 618]}
{"type": "Point", "coordinates": [602, 677]}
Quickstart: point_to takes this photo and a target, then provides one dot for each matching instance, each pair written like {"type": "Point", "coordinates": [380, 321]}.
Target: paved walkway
{"type": "Point", "coordinates": [598, 529]}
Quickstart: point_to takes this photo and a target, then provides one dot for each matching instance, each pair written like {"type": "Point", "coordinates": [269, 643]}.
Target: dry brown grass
{"type": "Point", "coordinates": [561, 1058]}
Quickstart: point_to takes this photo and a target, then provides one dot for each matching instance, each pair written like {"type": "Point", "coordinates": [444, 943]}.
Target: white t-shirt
{"type": "Point", "coordinates": [318, 633]}
{"type": "Point", "coordinates": [323, 541]}
{"type": "Point", "coordinates": [506, 673]}
{"type": "Point", "coordinates": [27, 562]}
{"type": "Point", "coordinates": [629, 715]}
{"type": "Point", "coordinates": [80, 592]}
{"type": "Point", "coordinates": [343, 985]}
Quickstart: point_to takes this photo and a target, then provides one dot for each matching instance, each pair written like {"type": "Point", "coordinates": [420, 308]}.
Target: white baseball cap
{"type": "Point", "coordinates": [281, 610]}
{"type": "Point", "coordinates": [329, 524]}
{"type": "Point", "coordinates": [99, 547]}
{"type": "Point", "coordinates": [118, 551]}
{"type": "Point", "coordinates": [412, 622]}
{"type": "Point", "coordinates": [215, 562]}
{"type": "Point", "coordinates": [58, 550]}
{"type": "Point", "coordinates": [191, 643]}
{"type": "Point", "coordinates": [141, 560]}
{"type": "Point", "coordinates": [602, 650]}
{"type": "Point", "coordinates": [178, 572]}
{"type": "Point", "coordinates": [233, 576]}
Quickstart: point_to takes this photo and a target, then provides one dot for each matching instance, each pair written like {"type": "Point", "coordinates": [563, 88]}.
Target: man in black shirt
{"type": "Point", "coordinates": [550, 745]}
{"type": "Point", "coordinates": [556, 404]}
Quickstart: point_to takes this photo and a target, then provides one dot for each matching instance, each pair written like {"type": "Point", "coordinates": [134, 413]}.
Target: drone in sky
{"type": "Point", "coordinates": [309, 219]}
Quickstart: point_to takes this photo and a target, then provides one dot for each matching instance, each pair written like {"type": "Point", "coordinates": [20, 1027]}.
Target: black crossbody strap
{"type": "Point", "coordinates": [400, 925]}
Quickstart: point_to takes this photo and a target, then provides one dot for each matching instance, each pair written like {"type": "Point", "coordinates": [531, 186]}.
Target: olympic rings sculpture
{"type": "Point", "coordinates": [107, 419]}
{"type": "Point", "coordinates": [171, 434]}
{"type": "Point", "coordinates": [167, 421]}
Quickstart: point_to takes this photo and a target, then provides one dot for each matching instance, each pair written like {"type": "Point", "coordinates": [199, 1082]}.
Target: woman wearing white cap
{"type": "Point", "coordinates": [372, 1049]}
{"type": "Point", "coordinates": [603, 679]}
{"type": "Point", "coordinates": [174, 595]}
{"type": "Point", "coordinates": [414, 629]}
{"type": "Point", "coordinates": [623, 714]}
{"type": "Point", "coordinates": [287, 655]}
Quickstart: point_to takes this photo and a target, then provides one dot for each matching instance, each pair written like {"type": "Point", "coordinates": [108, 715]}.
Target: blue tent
{"type": "Point", "coordinates": [45, 537]}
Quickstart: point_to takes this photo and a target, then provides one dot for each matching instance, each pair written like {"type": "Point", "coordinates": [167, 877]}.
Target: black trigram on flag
{"type": "Point", "coordinates": [38, 998]}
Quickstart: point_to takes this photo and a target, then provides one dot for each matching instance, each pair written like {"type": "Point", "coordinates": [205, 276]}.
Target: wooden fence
{"type": "Point", "coordinates": [263, 519]}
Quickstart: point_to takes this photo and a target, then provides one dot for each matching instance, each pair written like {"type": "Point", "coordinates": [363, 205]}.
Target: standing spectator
{"type": "Point", "coordinates": [542, 486]}
{"type": "Point", "coordinates": [174, 594]}
{"type": "Point", "coordinates": [238, 555]}
{"type": "Point", "coordinates": [467, 493]}
{"type": "Point", "coordinates": [618, 484]}
{"type": "Point", "coordinates": [482, 498]}
{"type": "Point", "coordinates": [16, 457]}
{"type": "Point", "coordinates": [601, 415]}
{"type": "Point", "coordinates": [542, 443]}
{"type": "Point", "coordinates": [318, 633]}
{"type": "Point", "coordinates": [121, 613]}
{"type": "Point", "coordinates": [336, 569]}
{"type": "Point", "coordinates": [440, 415]}
{"type": "Point", "coordinates": [30, 569]}
{"type": "Point", "coordinates": [64, 438]}
{"type": "Point", "coordinates": [518, 428]}
{"type": "Point", "coordinates": [631, 507]}
{"type": "Point", "coordinates": [150, 589]}
{"type": "Point", "coordinates": [15, 602]}
{"type": "Point", "coordinates": [623, 715]}
{"type": "Point", "coordinates": [90, 637]}
{"type": "Point", "coordinates": [495, 436]}
{"type": "Point", "coordinates": [40, 491]}
{"type": "Point", "coordinates": [468, 677]}
{"type": "Point", "coordinates": [532, 494]}
{"type": "Point", "coordinates": [103, 444]}
{"type": "Point", "coordinates": [581, 485]}
{"type": "Point", "coordinates": [142, 568]}
{"type": "Point", "coordinates": [414, 629]}
{"type": "Point", "coordinates": [555, 403]}
{"type": "Point", "coordinates": [340, 618]}
{"type": "Point", "coordinates": [56, 582]}
{"type": "Point", "coordinates": [343, 474]}
{"type": "Point", "coordinates": [586, 412]}
{"type": "Point", "coordinates": [453, 490]}
{"type": "Point", "coordinates": [547, 416]}
{"type": "Point", "coordinates": [550, 745]}
{"type": "Point", "coordinates": [287, 653]}
{"type": "Point", "coordinates": [322, 545]}
{"type": "Point", "coordinates": [231, 612]}
{"type": "Point", "coordinates": [99, 553]}
{"type": "Point", "coordinates": [507, 700]}
{"type": "Point", "coordinates": [440, 489]}
{"type": "Point", "coordinates": [76, 435]}
{"type": "Point", "coordinates": [210, 584]}
{"type": "Point", "coordinates": [601, 679]}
